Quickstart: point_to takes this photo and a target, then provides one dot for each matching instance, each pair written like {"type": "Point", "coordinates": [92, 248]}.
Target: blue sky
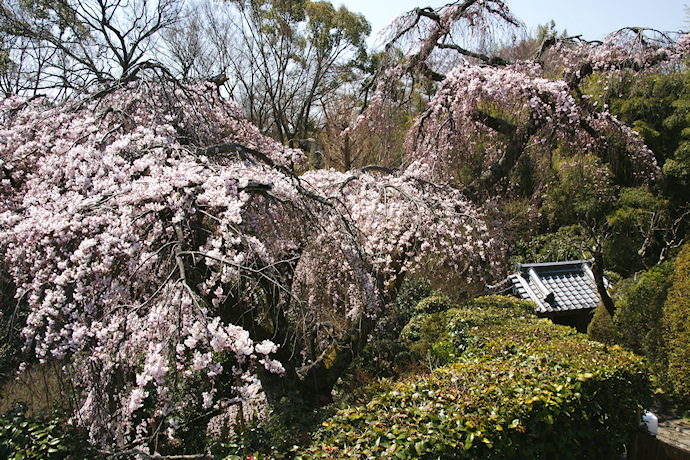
{"type": "Point", "coordinates": [592, 19]}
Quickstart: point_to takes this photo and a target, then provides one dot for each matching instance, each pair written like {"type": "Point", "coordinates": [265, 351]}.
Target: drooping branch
{"type": "Point", "coordinates": [516, 144]}
{"type": "Point", "coordinates": [437, 29]}
{"type": "Point", "coordinates": [488, 60]}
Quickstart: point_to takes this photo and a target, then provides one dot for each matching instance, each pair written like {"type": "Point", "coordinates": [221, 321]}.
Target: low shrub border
{"type": "Point", "coordinates": [522, 388]}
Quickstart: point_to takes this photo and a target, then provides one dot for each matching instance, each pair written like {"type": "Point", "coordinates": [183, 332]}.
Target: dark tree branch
{"type": "Point", "coordinates": [518, 138]}
{"type": "Point", "coordinates": [598, 271]}
{"type": "Point", "coordinates": [497, 61]}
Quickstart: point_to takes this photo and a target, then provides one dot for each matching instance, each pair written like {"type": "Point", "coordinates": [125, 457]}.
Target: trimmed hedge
{"type": "Point", "coordinates": [677, 326]}
{"type": "Point", "coordinates": [424, 341]}
{"type": "Point", "coordinates": [433, 304]}
{"type": "Point", "coordinates": [523, 388]}
{"type": "Point", "coordinates": [639, 316]}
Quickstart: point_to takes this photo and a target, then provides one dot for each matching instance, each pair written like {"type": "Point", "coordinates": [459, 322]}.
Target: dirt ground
{"type": "Point", "coordinates": [673, 428]}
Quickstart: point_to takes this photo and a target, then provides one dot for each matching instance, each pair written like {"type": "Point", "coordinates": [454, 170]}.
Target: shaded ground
{"type": "Point", "coordinates": [673, 428]}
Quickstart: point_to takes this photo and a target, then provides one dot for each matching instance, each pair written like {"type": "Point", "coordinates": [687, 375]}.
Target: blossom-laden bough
{"type": "Point", "coordinates": [491, 113]}
{"type": "Point", "coordinates": [494, 126]}
{"type": "Point", "coordinates": [170, 258]}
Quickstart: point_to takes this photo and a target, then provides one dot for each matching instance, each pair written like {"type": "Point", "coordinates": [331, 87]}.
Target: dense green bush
{"type": "Point", "coordinates": [433, 304]}
{"type": "Point", "coordinates": [409, 296]}
{"type": "Point", "coordinates": [523, 388]}
{"type": "Point", "coordinates": [564, 244]}
{"type": "Point", "coordinates": [379, 358]}
{"type": "Point", "coordinates": [425, 337]}
{"type": "Point", "coordinates": [639, 317]}
{"type": "Point", "coordinates": [422, 340]}
{"type": "Point", "coordinates": [582, 192]}
{"type": "Point", "coordinates": [384, 356]}
{"type": "Point", "coordinates": [677, 324]}
{"type": "Point", "coordinates": [637, 209]}
{"type": "Point", "coordinates": [601, 328]}
{"type": "Point", "coordinates": [514, 305]}
{"type": "Point", "coordinates": [45, 437]}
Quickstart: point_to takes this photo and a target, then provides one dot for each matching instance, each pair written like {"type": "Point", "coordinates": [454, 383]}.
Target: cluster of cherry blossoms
{"type": "Point", "coordinates": [146, 229]}
{"type": "Point", "coordinates": [629, 48]}
{"type": "Point", "coordinates": [479, 113]}
{"type": "Point", "coordinates": [102, 203]}
{"type": "Point", "coordinates": [409, 222]}
{"type": "Point", "coordinates": [490, 114]}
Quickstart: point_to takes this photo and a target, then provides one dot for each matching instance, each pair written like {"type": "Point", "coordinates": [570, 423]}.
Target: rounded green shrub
{"type": "Point", "coordinates": [677, 325]}
{"type": "Point", "coordinates": [639, 316]}
{"type": "Point", "coordinates": [433, 304]}
{"type": "Point", "coordinates": [507, 302]}
{"type": "Point", "coordinates": [410, 294]}
{"type": "Point", "coordinates": [422, 332]}
{"type": "Point", "coordinates": [601, 328]}
{"type": "Point", "coordinates": [523, 388]}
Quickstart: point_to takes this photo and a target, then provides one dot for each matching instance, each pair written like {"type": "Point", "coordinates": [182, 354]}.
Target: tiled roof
{"type": "Point", "coordinates": [558, 286]}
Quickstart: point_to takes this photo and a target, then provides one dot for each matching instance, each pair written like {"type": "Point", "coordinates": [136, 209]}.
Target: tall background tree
{"type": "Point", "coordinates": [84, 43]}
{"type": "Point", "coordinates": [281, 59]}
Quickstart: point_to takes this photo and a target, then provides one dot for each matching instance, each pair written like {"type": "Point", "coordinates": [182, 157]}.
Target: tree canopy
{"type": "Point", "coordinates": [156, 237]}
{"type": "Point", "coordinates": [175, 259]}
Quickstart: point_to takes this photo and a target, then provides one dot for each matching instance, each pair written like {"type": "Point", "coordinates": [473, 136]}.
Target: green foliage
{"type": "Point", "coordinates": [38, 438]}
{"type": "Point", "coordinates": [380, 358]}
{"type": "Point", "coordinates": [677, 164]}
{"type": "Point", "coordinates": [433, 304]}
{"type": "Point", "coordinates": [384, 355]}
{"type": "Point", "coordinates": [645, 104]}
{"type": "Point", "coordinates": [523, 388]}
{"type": "Point", "coordinates": [515, 307]}
{"type": "Point", "coordinates": [549, 31]}
{"type": "Point", "coordinates": [409, 296]}
{"type": "Point", "coordinates": [328, 27]}
{"type": "Point", "coordinates": [677, 323]}
{"type": "Point", "coordinates": [601, 328]}
{"type": "Point", "coordinates": [633, 226]}
{"type": "Point", "coordinates": [582, 193]}
{"type": "Point", "coordinates": [571, 242]}
{"type": "Point", "coordinates": [422, 333]}
{"type": "Point", "coordinates": [434, 340]}
{"type": "Point", "coordinates": [658, 107]}
{"type": "Point", "coordinates": [639, 316]}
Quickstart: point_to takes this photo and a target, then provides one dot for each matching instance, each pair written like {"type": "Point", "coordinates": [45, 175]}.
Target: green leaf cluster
{"type": "Point", "coordinates": [639, 315]}
{"type": "Point", "coordinates": [522, 388]}
{"type": "Point", "coordinates": [44, 437]}
{"type": "Point", "coordinates": [406, 301]}
{"type": "Point", "coordinates": [433, 304]}
{"type": "Point", "coordinates": [424, 340]}
{"type": "Point", "coordinates": [385, 355]}
{"type": "Point", "coordinates": [583, 191]}
{"type": "Point", "coordinates": [677, 325]}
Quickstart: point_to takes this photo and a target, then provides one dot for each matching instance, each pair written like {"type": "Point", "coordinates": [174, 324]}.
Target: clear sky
{"type": "Point", "coordinates": [592, 19]}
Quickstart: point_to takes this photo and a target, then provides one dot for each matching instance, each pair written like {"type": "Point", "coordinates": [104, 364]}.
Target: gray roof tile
{"type": "Point", "coordinates": [571, 283]}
